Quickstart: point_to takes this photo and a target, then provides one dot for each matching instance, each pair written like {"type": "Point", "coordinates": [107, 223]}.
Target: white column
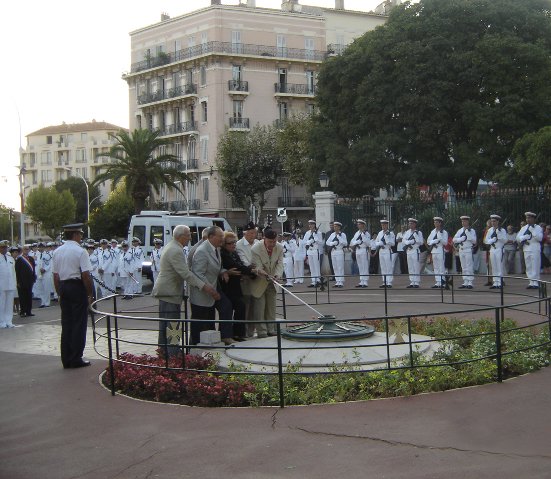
{"type": "Point", "coordinates": [325, 209]}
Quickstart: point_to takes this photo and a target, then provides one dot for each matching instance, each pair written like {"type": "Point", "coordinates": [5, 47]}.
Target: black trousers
{"type": "Point", "coordinates": [207, 315]}
{"type": "Point", "coordinates": [239, 314]}
{"type": "Point", "coordinates": [170, 333]}
{"type": "Point", "coordinates": [74, 319]}
{"type": "Point", "coordinates": [25, 299]}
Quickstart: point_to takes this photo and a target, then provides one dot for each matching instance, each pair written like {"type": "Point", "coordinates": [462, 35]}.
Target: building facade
{"type": "Point", "coordinates": [56, 152]}
{"type": "Point", "coordinates": [232, 67]}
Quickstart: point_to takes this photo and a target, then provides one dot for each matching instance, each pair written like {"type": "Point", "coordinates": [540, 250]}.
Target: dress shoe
{"type": "Point", "coordinates": [239, 338]}
{"type": "Point", "coordinates": [410, 286]}
{"type": "Point", "coordinates": [463, 286]}
{"type": "Point", "coordinates": [80, 364]}
{"type": "Point", "coordinates": [359, 286]}
{"type": "Point", "coordinates": [383, 286]}
{"type": "Point", "coordinates": [470, 286]}
{"type": "Point", "coordinates": [389, 286]}
{"type": "Point", "coordinates": [436, 286]}
{"type": "Point", "coordinates": [311, 285]}
{"type": "Point", "coordinates": [416, 286]}
{"type": "Point", "coordinates": [22, 315]}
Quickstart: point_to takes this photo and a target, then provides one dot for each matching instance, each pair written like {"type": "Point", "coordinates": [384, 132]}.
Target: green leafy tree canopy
{"type": "Point", "coordinates": [532, 158]}
{"type": "Point", "coordinates": [50, 209]}
{"type": "Point", "coordinates": [75, 185]}
{"type": "Point", "coordinates": [439, 94]}
{"type": "Point", "coordinates": [113, 217]}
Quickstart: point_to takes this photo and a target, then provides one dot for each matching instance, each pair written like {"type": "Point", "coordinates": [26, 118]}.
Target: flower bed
{"type": "Point", "coordinates": [148, 378]}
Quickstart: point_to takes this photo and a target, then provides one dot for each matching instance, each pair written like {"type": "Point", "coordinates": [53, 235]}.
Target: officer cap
{"type": "Point", "coordinates": [383, 221]}
{"type": "Point", "coordinates": [413, 219]}
{"type": "Point", "coordinates": [34, 245]}
{"type": "Point", "coordinates": [90, 246]}
{"type": "Point", "coordinates": [4, 243]}
{"type": "Point", "coordinates": [75, 227]}
{"type": "Point", "coordinates": [41, 244]}
{"type": "Point", "coordinates": [361, 221]}
{"type": "Point", "coordinates": [285, 233]}
{"type": "Point", "coordinates": [103, 241]}
{"type": "Point", "coordinates": [464, 217]}
{"type": "Point", "coordinates": [338, 223]}
{"type": "Point", "coordinates": [114, 241]}
{"type": "Point", "coordinates": [529, 213]}
{"type": "Point", "coordinates": [269, 233]}
{"type": "Point", "coordinates": [90, 241]}
{"type": "Point", "coordinates": [438, 218]}
{"type": "Point", "coordinates": [158, 241]}
{"type": "Point", "coordinates": [15, 248]}
{"type": "Point", "coordinates": [136, 239]}
{"type": "Point", "coordinates": [249, 226]}
{"type": "Point", "coordinates": [495, 217]}
{"type": "Point", "coordinates": [124, 243]}
{"type": "Point", "coordinates": [311, 221]}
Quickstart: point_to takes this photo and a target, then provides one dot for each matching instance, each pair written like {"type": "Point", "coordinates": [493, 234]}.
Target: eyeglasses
{"type": "Point", "coordinates": [231, 242]}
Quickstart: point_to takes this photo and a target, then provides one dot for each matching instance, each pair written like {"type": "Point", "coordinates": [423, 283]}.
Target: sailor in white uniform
{"type": "Point", "coordinates": [313, 241]}
{"type": "Point", "coordinates": [337, 241]}
{"type": "Point", "coordinates": [156, 258]}
{"type": "Point", "coordinates": [496, 237]}
{"type": "Point", "coordinates": [465, 240]}
{"type": "Point", "coordinates": [413, 239]}
{"type": "Point", "coordinates": [437, 239]}
{"type": "Point", "coordinates": [360, 244]}
{"type": "Point", "coordinates": [384, 242]}
{"type": "Point", "coordinates": [529, 238]}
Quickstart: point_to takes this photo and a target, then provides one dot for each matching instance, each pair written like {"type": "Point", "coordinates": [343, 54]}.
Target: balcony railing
{"type": "Point", "coordinates": [295, 88]}
{"type": "Point", "coordinates": [236, 85]}
{"type": "Point", "coordinates": [182, 127]}
{"type": "Point", "coordinates": [295, 202]}
{"type": "Point", "coordinates": [159, 95]}
{"type": "Point", "coordinates": [192, 163]}
{"type": "Point", "coordinates": [195, 204]}
{"type": "Point", "coordinates": [239, 123]}
{"type": "Point", "coordinates": [227, 48]}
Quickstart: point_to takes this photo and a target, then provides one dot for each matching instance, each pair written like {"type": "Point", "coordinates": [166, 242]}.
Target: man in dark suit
{"type": "Point", "coordinates": [25, 272]}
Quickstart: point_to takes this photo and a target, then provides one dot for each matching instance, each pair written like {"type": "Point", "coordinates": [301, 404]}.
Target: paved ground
{"type": "Point", "coordinates": [59, 424]}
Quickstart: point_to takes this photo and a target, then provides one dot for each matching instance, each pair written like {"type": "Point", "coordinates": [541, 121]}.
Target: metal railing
{"type": "Point", "coordinates": [237, 85]}
{"type": "Point", "coordinates": [111, 335]}
{"type": "Point", "coordinates": [295, 88]}
{"type": "Point", "coordinates": [182, 127]}
{"type": "Point", "coordinates": [159, 95]}
{"type": "Point", "coordinates": [192, 163]}
{"type": "Point", "coordinates": [227, 48]}
{"type": "Point", "coordinates": [239, 123]}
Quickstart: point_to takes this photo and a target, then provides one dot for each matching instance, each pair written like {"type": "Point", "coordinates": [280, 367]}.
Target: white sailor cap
{"type": "Point", "coordinates": [51, 243]}
{"type": "Point", "coordinates": [438, 218]}
{"type": "Point", "coordinates": [464, 217]}
{"type": "Point", "coordinates": [412, 219]}
{"type": "Point", "coordinates": [114, 241]}
{"type": "Point", "coordinates": [383, 221]}
{"type": "Point", "coordinates": [103, 241]}
{"type": "Point", "coordinates": [4, 243]}
{"type": "Point", "coordinates": [361, 221]}
{"type": "Point", "coordinates": [529, 213]}
{"type": "Point", "coordinates": [124, 243]}
{"type": "Point", "coordinates": [158, 241]}
{"type": "Point", "coordinates": [286, 233]}
{"type": "Point", "coordinates": [495, 217]}
{"type": "Point", "coordinates": [311, 221]}
{"type": "Point", "coordinates": [338, 223]}
{"type": "Point", "coordinates": [136, 239]}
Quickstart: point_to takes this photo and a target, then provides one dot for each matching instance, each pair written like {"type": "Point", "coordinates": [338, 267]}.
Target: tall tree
{"type": "Point", "coordinates": [140, 159]}
{"type": "Point", "coordinates": [113, 217]}
{"type": "Point", "coordinates": [440, 93]}
{"type": "Point", "coordinates": [531, 158]}
{"type": "Point", "coordinates": [50, 209]}
{"type": "Point", "coordinates": [7, 216]}
{"type": "Point", "coordinates": [249, 164]}
{"type": "Point", "coordinates": [76, 187]}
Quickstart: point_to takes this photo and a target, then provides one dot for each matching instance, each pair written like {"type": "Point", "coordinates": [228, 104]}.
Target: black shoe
{"type": "Point", "coordinates": [359, 286]}
{"type": "Point", "coordinates": [493, 287]}
{"type": "Point", "coordinates": [463, 286]}
{"type": "Point", "coordinates": [22, 315]}
{"type": "Point", "coordinates": [410, 286]}
{"type": "Point", "coordinates": [80, 364]}
{"type": "Point", "coordinates": [311, 286]}
{"type": "Point", "coordinates": [383, 286]}
{"type": "Point", "coordinates": [469, 287]}
{"type": "Point", "coordinates": [416, 286]}
{"type": "Point", "coordinates": [435, 287]}
{"type": "Point", "coordinates": [389, 286]}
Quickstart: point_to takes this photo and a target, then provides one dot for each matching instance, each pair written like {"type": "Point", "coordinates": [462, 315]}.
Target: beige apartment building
{"type": "Point", "coordinates": [232, 67]}
{"type": "Point", "coordinates": [56, 152]}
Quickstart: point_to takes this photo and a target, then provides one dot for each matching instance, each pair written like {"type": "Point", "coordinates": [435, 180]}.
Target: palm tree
{"type": "Point", "coordinates": [139, 161]}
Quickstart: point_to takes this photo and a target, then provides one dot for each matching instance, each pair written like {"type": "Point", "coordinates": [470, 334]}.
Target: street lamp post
{"type": "Point", "coordinates": [22, 172]}
{"type": "Point", "coordinates": [87, 197]}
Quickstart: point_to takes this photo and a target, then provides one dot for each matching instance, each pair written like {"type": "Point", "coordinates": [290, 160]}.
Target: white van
{"type": "Point", "coordinates": [149, 225]}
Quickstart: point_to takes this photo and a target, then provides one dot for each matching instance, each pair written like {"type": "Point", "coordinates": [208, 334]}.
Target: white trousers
{"type": "Point", "coordinates": [439, 268]}
{"type": "Point", "coordinates": [337, 258]}
{"type": "Point", "coordinates": [362, 258]}
{"type": "Point", "coordinates": [110, 281]}
{"type": "Point", "coordinates": [466, 259]}
{"type": "Point", "coordinates": [414, 266]}
{"type": "Point", "coordinates": [314, 264]}
{"type": "Point", "coordinates": [298, 270]}
{"type": "Point", "coordinates": [387, 265]}
{"type": "Point", "coordinates": [289, 270]}
{"type": "Point", "coordinates": [533, 265]}
{"type": "Point", "coordinates": [6, 308]}
{"type": "Point", "coordinates": [496, 261]}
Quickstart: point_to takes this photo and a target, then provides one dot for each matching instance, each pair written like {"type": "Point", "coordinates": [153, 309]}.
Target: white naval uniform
{"type": "Point", "coordinates": [314, 244]}
{"type": "Point", "coordinates": [298, 260]}
{"type": "Point", "coordinates": [384, 242]}
{"type": "Point", "coordinates": [496, 238]}
{"type": "Point", "coordinates": [465, 239]}
{"type": "Point", "coordinates": [139, 258]}
{"type": "Point", "coordinates": [126, 269]}
{"type": "Point", "coordinates": [288, 252]}
{"type": "Point", "coordinates": [437, 240]}
{"type": "Point", "coordinates": [530, 238]}
{"type": "Point", "coordinates": [413, 239]}
{"type": "Point", "coordinates": [8, 286]}
{"type": "Point", "coordinates": [94, 261]}
{"type": "Point", "coordinates": [156, 262]}
{"type": "Point", "coordinates": [338, 242]}
{"type": "Point", "coordinates": [108, 262]}
{"type": "Point", "coordinates": [46, 287]}
{"type": "Point", "coordinates": [361, 242]}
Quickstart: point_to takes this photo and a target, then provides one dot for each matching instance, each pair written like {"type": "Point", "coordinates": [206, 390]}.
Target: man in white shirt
{"type": "Point", "coordinates": [313, 241]}
{"type": "Point", "coordinates": [8, 286]}
{"type": "Point", "coordinates": [413, 239]}
{"type": "Point", "coordinates": [107, 268]}
{"type": "Point", "coordinates": [438, 238]}
{"type": "Point", "coordinates": [298, 257]}
{"type": "Point", "coordinates": [361, 242]}
{"type": "Point", "coordinates": [337, 241]}
{"type": "Point", "coordinates": [465, 240]}
{"type": "Point", "coordinates": [156, 258]}
{"type": "Point", "coordinates": [496, 237]}
{"type": "Point", "coordinates": [384, 242]}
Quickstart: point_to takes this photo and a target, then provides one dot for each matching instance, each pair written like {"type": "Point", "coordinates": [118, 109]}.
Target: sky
{"type": "Point", "coordinates": [66, 60]}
